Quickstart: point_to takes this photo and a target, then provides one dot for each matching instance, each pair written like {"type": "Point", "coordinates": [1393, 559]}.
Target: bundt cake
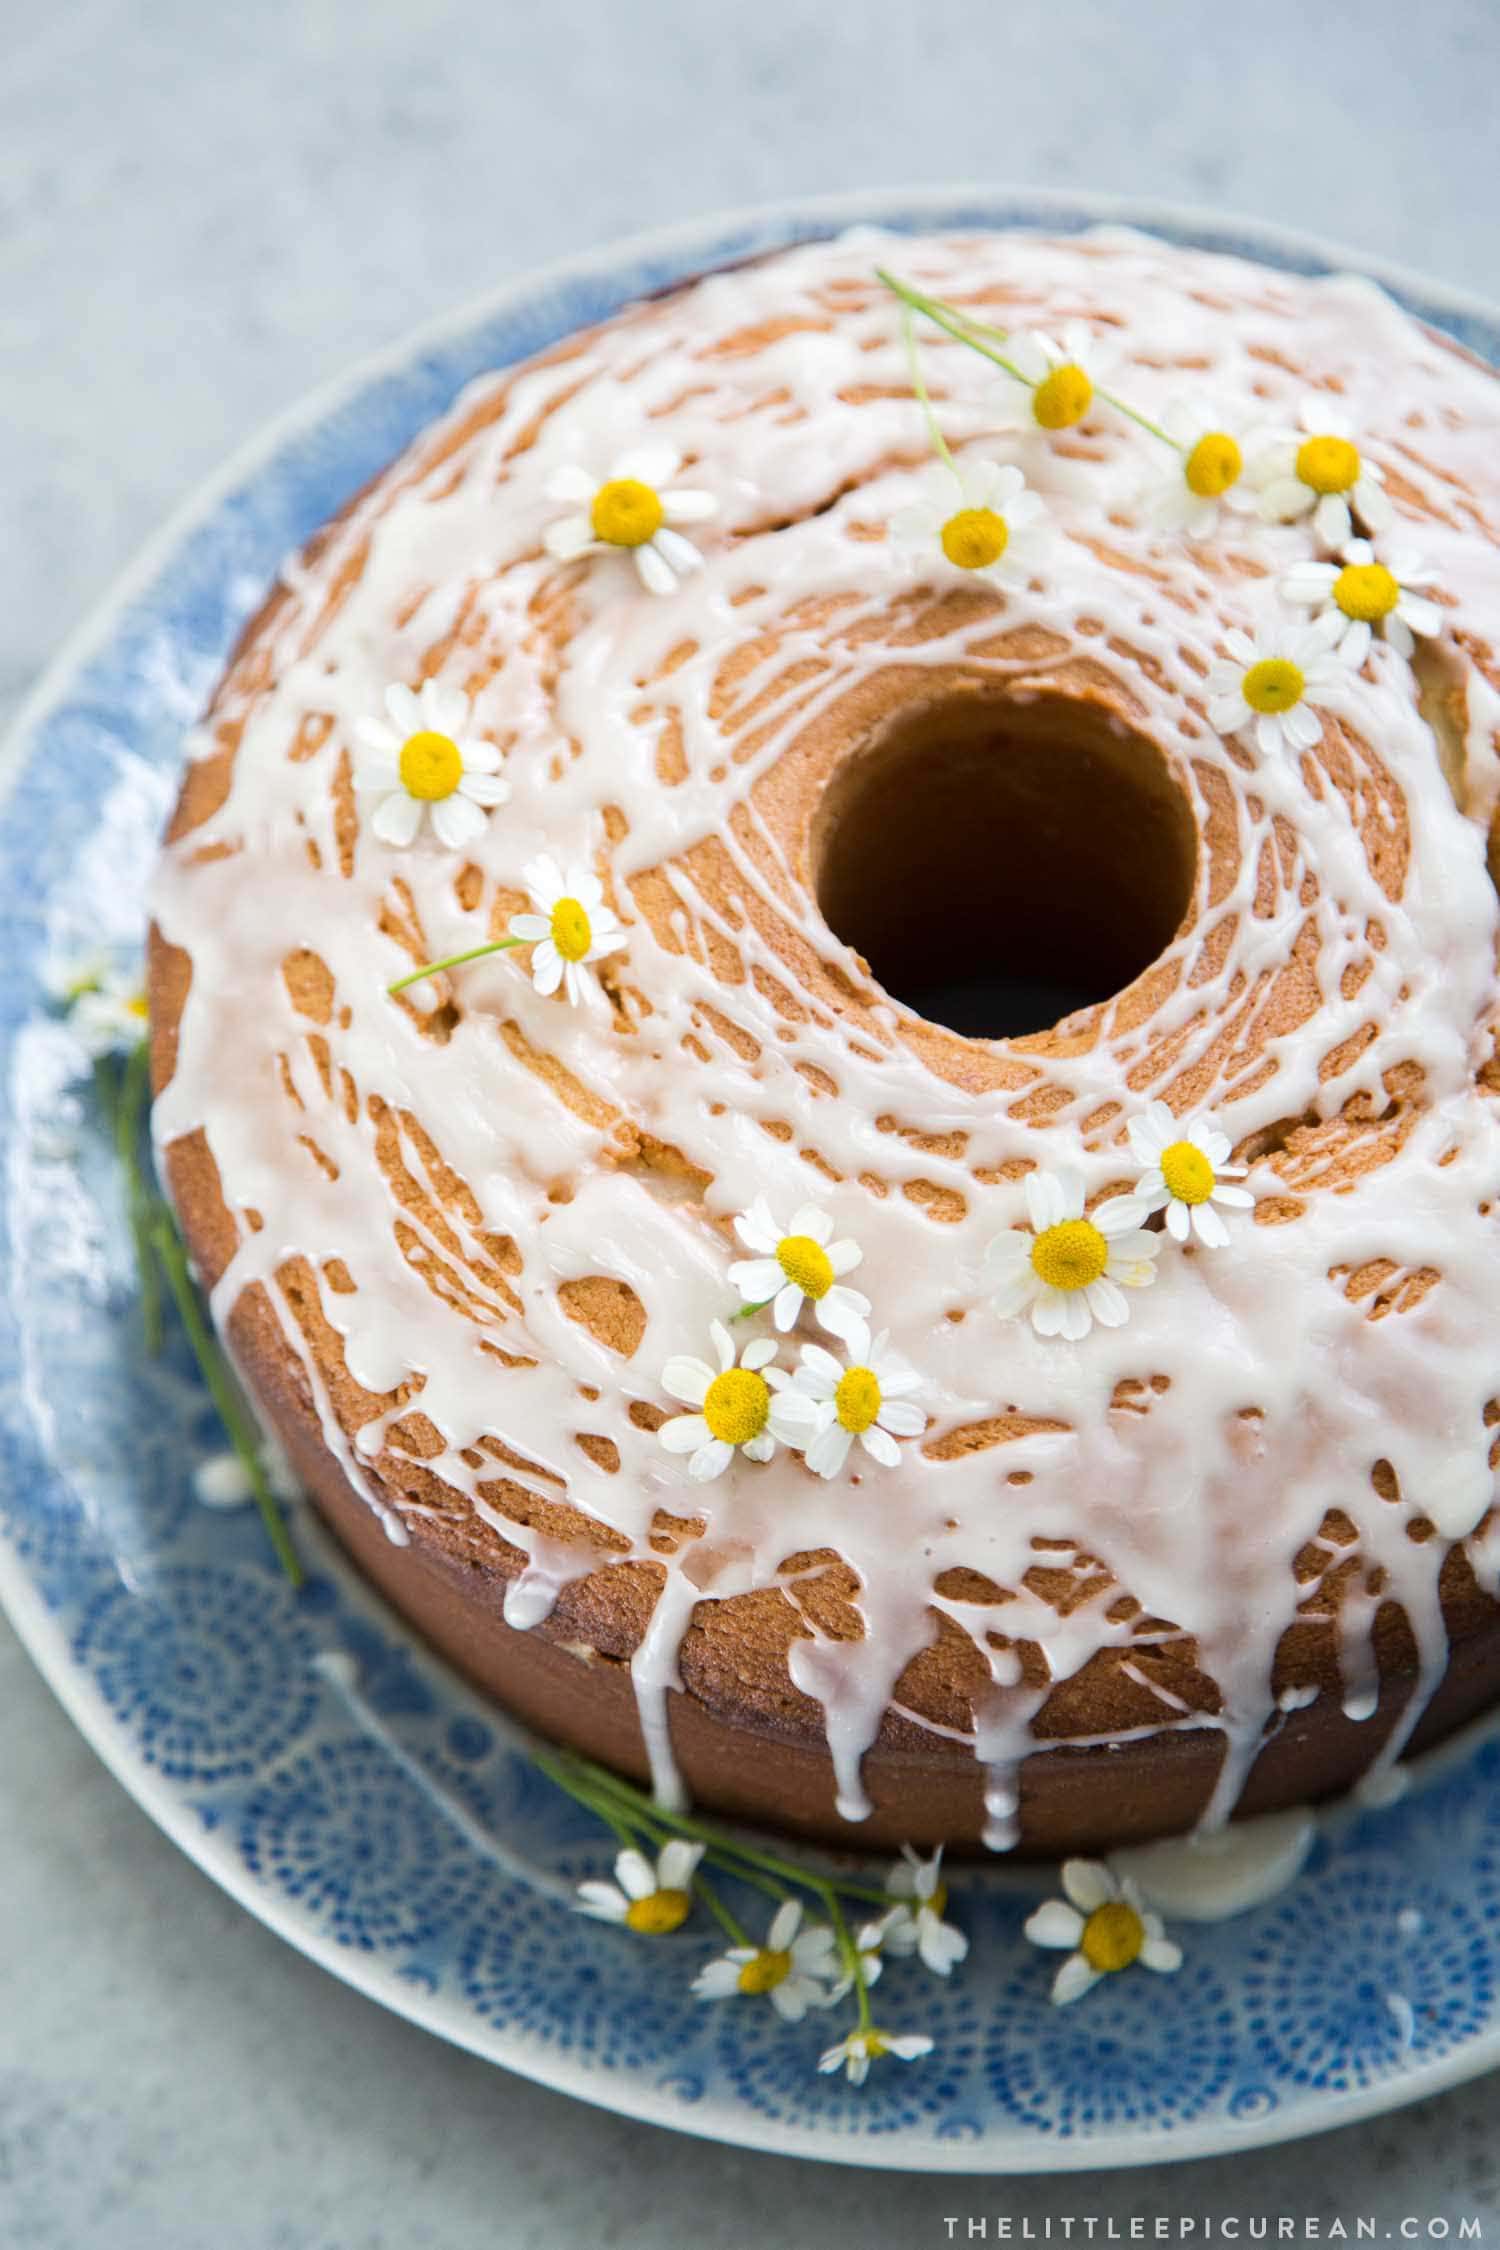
{"type": "Point", "coordinates": [945, 799]}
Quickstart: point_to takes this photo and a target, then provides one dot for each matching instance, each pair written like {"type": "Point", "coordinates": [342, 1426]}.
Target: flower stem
{"type": "Point", "coordinates": [734, 1930]}
{"type": "Point", "coordinates": [748, 1312]}
{"type": "Point", "coordinates": [919, 386]}
{"type": "Point", "coordinates": [593, 1782]}
{"type": "Point", "coordinates": [454, 961]}
{"type": "Point", "coordinates": [239, 1423]}
{"type": "Point", "coordinates": [961, 330]}
{"type": "Point", "coordinates": [852, 1958]}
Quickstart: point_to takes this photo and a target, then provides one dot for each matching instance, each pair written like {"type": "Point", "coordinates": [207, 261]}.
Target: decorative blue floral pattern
{"type": "Point", "coordinates": [345, 1786]}
{"type": "Point", "coordinates": [362, 1849]}
{"type": "Point", "coordinates": [208, 1670]}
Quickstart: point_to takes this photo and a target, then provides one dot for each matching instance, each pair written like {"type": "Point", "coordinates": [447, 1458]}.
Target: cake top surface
{"type": "Point", "coordinates": [722, 698]}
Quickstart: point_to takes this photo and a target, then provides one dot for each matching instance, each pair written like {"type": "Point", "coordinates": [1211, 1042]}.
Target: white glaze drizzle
{"type": "Point", "coordinates": [1194, 1510]}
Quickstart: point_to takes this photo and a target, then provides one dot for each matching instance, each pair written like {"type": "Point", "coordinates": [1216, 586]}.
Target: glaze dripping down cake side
{"type": "Point", "coordinates": [1100, 1562]}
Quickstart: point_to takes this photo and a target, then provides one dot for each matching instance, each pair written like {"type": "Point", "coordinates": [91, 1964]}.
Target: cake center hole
{"type": "Point", "coordinates": [1001, 865]}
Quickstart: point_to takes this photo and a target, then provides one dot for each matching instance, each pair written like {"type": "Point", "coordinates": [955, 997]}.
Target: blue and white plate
{"type": "Point", "coordinates": [340, 1782]}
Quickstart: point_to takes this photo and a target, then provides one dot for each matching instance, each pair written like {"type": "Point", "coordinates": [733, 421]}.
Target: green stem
{"type": "Point", "coordinates": [599, 1782]}
{"type": "Point", "coordinates": [239, 1424]}
{"type": "Point", "coordinates": [919, 386]}
{"type": "Point", "coordinates": [748, 1312]}
{"type": "Point", "coordinates": [953, 323]}
{"type": "Point", "coordinates": [1142, 421]}
{"type": "Point", "coordinates": [734, 1930]}
{"type": "Point", "coordinates": [455, 961]}
{"type": "Point", "coordinates": [852, 1959]}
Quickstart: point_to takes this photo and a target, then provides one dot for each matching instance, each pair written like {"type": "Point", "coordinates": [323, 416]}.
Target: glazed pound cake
{"type": "Point", "coordinates": [824, 1011]}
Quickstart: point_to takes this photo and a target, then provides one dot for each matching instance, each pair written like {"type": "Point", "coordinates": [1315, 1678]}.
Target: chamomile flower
{"type": "Point", "coordinates": [743, 1407]}
{"type": "Point", "coordinates": [421, 761]}
{"type": "Point", "coordinates": [1268, 687]}
{"type": "Point", "coordinates": [793, 1969]}
{"type": "Point", "coordinates": [981, 517]}
{"type": "Point", "coordinates": [1186, 1172]}
{"type": "Point", "coordinates": [654, 1900]}
{"type": "Point", "coordinates": [1105, 1927]}
{"type": "Point", "coordinates": [571, 926]}
{"type": "Point", "coordinates": [1070, 1270]}
{"type": "Point", "coordinates": [633, 509]}
{"type": "Point", "coordinates": [798, 1265]}
{"type": "Point", "coordinates": [1317, 469]}
{"type": "Point", "coordinates": [1205, 476]}
{"type": "Point", "coordinates": [855, 2054]}
{"type": "Point", "coordinates": [916, 1924]}
{"type": "Point", "coordinates": [1363, 592]}
{"type": "Point", "coordinates": [869, 1399]}
{"type": "Point", "coordinates": [107, 1010]}
{"type": "Point", "coordinates": [1064, 370]}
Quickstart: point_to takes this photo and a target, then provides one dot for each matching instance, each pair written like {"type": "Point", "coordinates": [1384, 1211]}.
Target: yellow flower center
{"type": "Point", "coordinates": [1366, 591]}
{"type": "Point", "coordinates": [938, 1903]}
{"type": "Point", "coordinates": [975, 538]}
{"type": "Point", "coordinates": [571, 933]}
{"type": "Point", "coordinates": [658, 1912]}
{"type": "Point", "coordinates": [1063, 397]}
{"type": "Point", "coordinates": [765, 1972]}
{"type": "Point", "coordinates": [430, 766]}
{"type": "Point", "coordinates": [1187, 1172]}
{"type": "Point", "coordinates": [1274, 684]}
{"type": "Point", "coordinates": [857, 1399]}
{"type": "Point", "coordinates": [1112, 1936]}
{"type": "Point", "coordinates": [737, 1405]}
{"type": "Point", "coordinates": [1071, 1255]}
{"type": "Point", "coordinates": [137, 1005]}
{"type": "Point", "coordinates": [1213, 465]}
{"type": "Point", "coordinates": [1328, 464]}
{"type": "Point", "coordinates": [805, 1263]}
{"type": "Point", "coordinates": [626, 513]}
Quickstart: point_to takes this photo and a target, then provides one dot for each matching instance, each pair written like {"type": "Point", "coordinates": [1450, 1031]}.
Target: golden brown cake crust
{"type": "Point", "coordinates": [1077, 712]}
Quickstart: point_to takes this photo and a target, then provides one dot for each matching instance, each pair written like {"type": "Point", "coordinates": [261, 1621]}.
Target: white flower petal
{"type": "Point", "coordinates": [655, 572]}
{"type": "Point", "coordinates": [677, 1864]}
{"type": "Point", "coordinates": [396, 819]}
{"type": "Point", "coordinates": [456, 821]}
{"type": "Point", "coordinates": [635, 1874]}
{"type": "Point", "coordinates": [1055, 1924]}
{"type": "Point", "coordinates": [1073, 1980]}
{"type": "Point", "coordinates": [1088, 1884]}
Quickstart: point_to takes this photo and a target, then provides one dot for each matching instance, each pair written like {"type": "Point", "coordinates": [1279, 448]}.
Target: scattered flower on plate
{"type": "Point", "coordinates": [633, 510]}
{"type": "Point", "coordinates": [746, 1407]}
{"type": "Point", "coordinates": [106, 1009]}
{"type": "Point", "coordinates": [855, 2054]}
{"type": "Point", "coordinates": [1319, 470]}
{"type": "Point", "coordinates": [868, 1399]}
{"type": "Point", "coordinates": [799, 1266]}
{"type": "Point", "coordinates": [1206, 476]}
{"type": "Point", "coordinates": [1268, 687]}
{"type": "Point", "coordinates": [795, 1968]}
{"type": "Point", "coordinates": [571, 926]}
{"type": "Point", "coordinates": [1185, 1172]}
{"type": "Point", "coordinates": [654, 1900]}
{"type": "Point", "coordinates": [915, 1924]}
{"type": "Point", "coordinates": [422, 761]}
{"type": "Point", "coordinates": [982, 517]}
{"type": "Point", "coordinates": [1070, 1270]}
{"type": "Point", "coordinates": [1105, 1927]}
{"type": "Point", "coordinates": [1363, 592]}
